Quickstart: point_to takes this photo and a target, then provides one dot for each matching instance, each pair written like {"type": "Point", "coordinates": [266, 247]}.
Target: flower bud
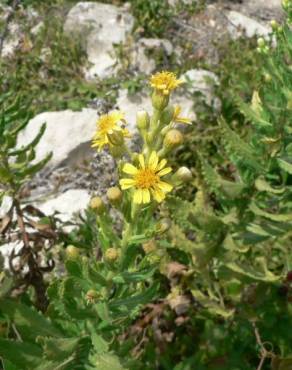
{"type": "Point", "coordinates": [261, 42]}
{"type": "Point", "coordinates": [116, 138]}
{"type": "Point", "coordinates": [97, 205]}
{"type": "Point", "coordinates": [159, 100]}
{"type": "Point", "coordinates": [72, 252]}
{"type": "Point", "coordinates": [143, 120]}
{"type": "Point", "coordinates": [173, 138]}
{"type": "Point", "coordinates": [163, 225]}
{"type": "Point", "coordinates": [183, 174]}
{"type": "Point", "coordinates": [267, 77]}
{"type": "Point", "coordinates": [285, 4]}
{"type": "Point", "coordinates": [117, 151]}
{"type": "Point", "coordinates": [112, 254]}
{"type": "Point", "coordinates": [91, 296]}
{"type": "Point", "coordinates": [274, 25]}
{"type": "Point", "coordinates": [114, 195]}
{"type": "Point", "coordinates": [149, 246]}
{"type": "Point", "coordinates": [167, 116]}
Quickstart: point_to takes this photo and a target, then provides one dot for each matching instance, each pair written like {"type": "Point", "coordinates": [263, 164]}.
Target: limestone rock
{"type": "Point", "coordinates": [241, 25]}
{"type": "Point", "coordinates": [65, 132]}
{"type": "Point", "coordinates": [203, 81]}
{"type": "Point", "coordinates": [141, 60]}
{"type": "Point", "coordinates": [100, 26]}
{"type": "Point", "coordinates": [66, 204]}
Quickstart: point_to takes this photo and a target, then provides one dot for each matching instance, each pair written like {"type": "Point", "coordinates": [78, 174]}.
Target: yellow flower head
{"type": "Point", "coordinates": [107, 125]}
{"type": "Point", "coordinates": [165, 82]}
{"type": "Point", "coordinates": [177, 118]}
{"type": "Point", "coordinates": [146, 179]}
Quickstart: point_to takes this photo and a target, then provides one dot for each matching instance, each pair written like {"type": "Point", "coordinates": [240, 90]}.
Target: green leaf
{"type": "Point", "coordinates": [131, 277]}
{"type": "Point", "coordinates": [58, 349]}
{"type": "Point", "coordinates": [108, 361]}
{"type": "Point", "coordinates": [286, 166]}
{"type": "Point", "coordinates": [99, 344]}
{"type": "Point", "coordinates": [262, 185]}
{"type": "Point", "coordinates": [212, 306]}
{"type": "Point", "coordinates": [251, 272]}
{"type": "Point", "coordinates": [239, 151]}
{"type": "Point", "coordinates": [27, 320]}
{"type": "Point", "coordinates": [136, 300]}
{"type": "Point", "coordinates": [24, 355]}
{"type": "Point", "coordinates": [28, 171]}
{"type": "Point", "coordinates": [271, 216]}
{"type": "Point", "coordinates": [32, 144]}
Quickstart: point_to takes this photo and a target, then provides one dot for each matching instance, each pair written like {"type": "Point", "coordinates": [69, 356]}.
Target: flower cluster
{"type": "Point", "coordinates": [159, 136]}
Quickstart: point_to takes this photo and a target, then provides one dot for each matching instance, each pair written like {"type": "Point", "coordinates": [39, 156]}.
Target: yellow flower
{"type": "Point", "coordinates": [164, 82]}
{"type": "Point", "coordinates": [146, 179]}
{"type": "Point", "coordinates": [107, 125]}
{"type": "Point", "coordinates": [176, 116]}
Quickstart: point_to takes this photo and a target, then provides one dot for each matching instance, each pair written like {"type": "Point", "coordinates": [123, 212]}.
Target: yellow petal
{"type": "Point", "coordinates": [146, 195]}
{"type": "Point", "coordinates": [185, 120]}
{"type": "Point", "coordinates": [130, 169]}
{"type": "Point", "coordinates": [126, 132]}
{"type": "Point", "coordinates": [158, 195]}
{"type": "Point", "coordinates": [161, 164]}
{"type": "Point", "coordinates": [117, 116]}
{"type": "Point", "coordinates": [127, 183]}
{"type": "Point", "coordinates": [153, 160]}
{"type": "Point", "coordinates": [141, 160]}
{"type": "Point", "coordinates": [164, 186]}
{"type": "Point", "coordinates": [138, 196]}
{"type": "Point", "coordinates": [165, 171]}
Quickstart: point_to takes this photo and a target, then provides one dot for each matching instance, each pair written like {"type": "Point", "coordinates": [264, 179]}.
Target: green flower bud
{"type": "Point", "coordinates": [117, 151]}
{"type": "Point", "coordinates": [163, 225]}
{"type": "Point", "coordinates": [97, 205]}
{"type": "Point", "coordinates": [72, 252]}
{"type": "Point", "coordinates": [183, 174]}
{"type": "Point", "coordinates": [274, 25]}
{"type": "Point", "coordinates": [285, 4]}
{"type": "Point", "coordinates": [159, 100]}
{"type": "Point", "coordinates": [114, 195]}
{"type": "Point", "coordinates": [167, 116]}
{"type": "Point", "coordinates": [116, 138]}
{"type": "Point", "coordinates": [143, 120]}
{"type": "Point", "coordinates": [173, 138]}
{"type": "Point", "coordinates": [112, 254]}
{"type": "Point", "coordinates": [149, 246]}
{"type": "Point", "coordinates": [267, 77]}
{"type": "Point", "coordinates": [92, 295]}
{"type": "Point", "coordinates": [261, 42]}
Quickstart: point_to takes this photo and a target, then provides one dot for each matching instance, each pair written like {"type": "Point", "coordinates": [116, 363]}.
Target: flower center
{"type": "Point", "coordinates": [146, 178]}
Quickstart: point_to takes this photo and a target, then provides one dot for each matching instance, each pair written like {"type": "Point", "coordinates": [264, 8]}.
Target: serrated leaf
{"type": "Point", "coordinates": [24, 355]}
{"type": "Point", "coordinates": [271, 216]}
{"type": "Point", "coordinates": [286, 166]}
{"type": "Point", "coordinates": [27, 320]}
{"type": "Point", "coordinates": [252, 273]}
{"type": "Point", "coordinates": [108, 361]}
{"type": "Point", "coordinates": [58, 349]}
{"type": "Point", "coordinates": [262, 185]}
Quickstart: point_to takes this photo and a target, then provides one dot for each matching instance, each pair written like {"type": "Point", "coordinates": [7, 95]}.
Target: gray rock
{"type": "Point", "coordinates": [241, 25]}
{"type": "Point", "coordinates": [203, 81]}
{"type": "Point", "coordinates": [100, 26]}
{"type": "Point", "coordinates": [141, 60]}
{"type": "Point", "coordinates": [65, 132]}
{"type": "Point", "coordinates": [67, 204]}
